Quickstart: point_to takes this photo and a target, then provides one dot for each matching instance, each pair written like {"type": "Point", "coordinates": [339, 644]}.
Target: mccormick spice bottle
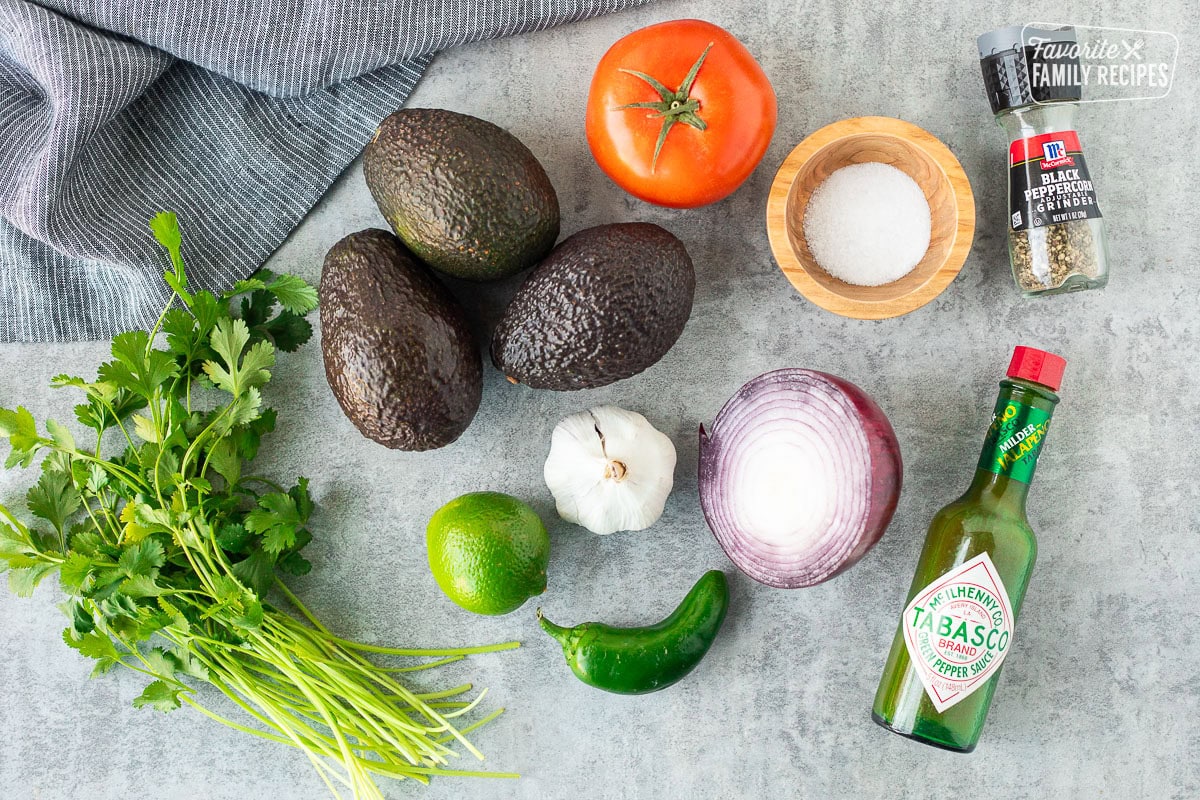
{"type": "Point", "coordinates": [957, 625]}
{"type": "Point", "coordinates": [1056, 234]}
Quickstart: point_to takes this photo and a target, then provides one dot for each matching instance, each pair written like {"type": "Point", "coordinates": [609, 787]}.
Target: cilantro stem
{"type": "Point", "coordinates": [95, 522]}
{"type": "Point", "coordinates": [392, 651]}
{"type": "Point", "coordinates": [121, 473]}
{"type": "Point", "coordinates": [271, 737]}
{"type": "Point", "coordinates": [450, 651]}
{"type": "Point", "coordinates": [268, 483]}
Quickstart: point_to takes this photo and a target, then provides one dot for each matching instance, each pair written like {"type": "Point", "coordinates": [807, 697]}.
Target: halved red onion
{"type": "Point", "coordinates": [799, 476]}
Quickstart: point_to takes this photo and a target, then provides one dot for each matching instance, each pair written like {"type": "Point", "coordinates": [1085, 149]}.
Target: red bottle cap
{"type": "Point", "coordinates": [1038, 366]}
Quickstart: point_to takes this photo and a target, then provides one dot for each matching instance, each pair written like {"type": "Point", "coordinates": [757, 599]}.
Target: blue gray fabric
{"type": "Point", "coordinates": [236, 114]}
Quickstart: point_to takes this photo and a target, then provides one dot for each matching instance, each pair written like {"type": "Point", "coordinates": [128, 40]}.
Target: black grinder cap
{"type": "Point", "coordinates": [1008, 62]}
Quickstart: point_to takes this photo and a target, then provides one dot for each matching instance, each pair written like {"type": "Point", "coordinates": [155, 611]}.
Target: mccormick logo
{"type": "Point", "coordinates": [1054, 154]}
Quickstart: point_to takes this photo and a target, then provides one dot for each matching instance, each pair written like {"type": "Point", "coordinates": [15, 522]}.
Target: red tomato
{"type": "Point", "coordinates": [717, 129]}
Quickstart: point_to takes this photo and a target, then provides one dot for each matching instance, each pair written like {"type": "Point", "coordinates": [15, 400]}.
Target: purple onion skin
{"type": "Point", "coordinates": [886, 470]}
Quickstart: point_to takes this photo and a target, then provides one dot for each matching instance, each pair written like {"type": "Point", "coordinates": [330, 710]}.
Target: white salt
{"type": "Point", "coordinates": [868, 224]}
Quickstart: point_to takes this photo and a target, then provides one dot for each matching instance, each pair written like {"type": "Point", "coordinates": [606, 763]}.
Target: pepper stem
{"type": "Point", "coordinates": [557, 631]}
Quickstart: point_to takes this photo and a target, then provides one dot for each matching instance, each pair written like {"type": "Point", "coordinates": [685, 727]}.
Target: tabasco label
{"type": "Point", "coordinates": [958, 630]}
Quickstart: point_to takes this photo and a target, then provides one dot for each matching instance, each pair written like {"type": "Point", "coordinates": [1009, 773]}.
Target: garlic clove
{"type": "Point", "coordinates": [610, 470]}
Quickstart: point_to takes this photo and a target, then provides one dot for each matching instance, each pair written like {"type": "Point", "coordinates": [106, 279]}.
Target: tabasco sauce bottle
{"type": "Point", "coordinates": [958, 621]}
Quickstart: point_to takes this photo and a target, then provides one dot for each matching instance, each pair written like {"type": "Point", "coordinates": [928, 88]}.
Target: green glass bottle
{"type": "Point", "coordinates": [957, 625]}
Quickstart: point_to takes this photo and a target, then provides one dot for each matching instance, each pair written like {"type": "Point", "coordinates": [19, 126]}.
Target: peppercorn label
{"type": "Point", "coordinates": [1049, 181]}
{"type": "Point", "coordinates": [958, 630]}
{"type": "Point", "coordinates": [1014, 440]}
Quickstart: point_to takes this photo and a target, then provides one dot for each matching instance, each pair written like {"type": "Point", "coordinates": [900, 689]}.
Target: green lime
{"type": "Point", "coordinates": [488, 551]}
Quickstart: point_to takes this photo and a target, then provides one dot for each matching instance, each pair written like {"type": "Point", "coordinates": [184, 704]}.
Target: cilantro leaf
{"type": "Point", "coordinates": [18, 423]}
{"type": "Point", "coordinates": [21, 431]}
{"type": "Point", "coordinates": [256, 571]}
{"type": "Point", "coordinates": [295, 564]}
{"type": "Point", "coordinates": [288, 331]}
{"type": "Point", "coordinates": [226, 461]}
{"type": "Point", "coordinates": [159, 696]}
{"type": "Point", "coordinates": [258, 359]}
{"type": "Point", "coordinates": [255, 283]}
{"type": "Point", "coordinates": [61, 436]}
{"type": "Point", "coordinates": [256, 308]}
{"type": "Point", "coordinates": [13, 542]}
{"type": "Point", "coordinates": [185, 664]}
{"type": "Point", "coordinates": [243, 410]}
{"type": "Point", "coordinates": [118, 605]}
{"type": "Point", "coordinates": [87, 543]}
{"type": "Point", "coordinates": [251, 616]}
{"type": "Point", "coordinates": [248, 437]}
{"type": "Point", "coordinates": [188, 329]}
{"type": "Point", "coordinates": [151, 622]}
{"type": "Point", "coordinates": [142, 559]}
{"type": "Point", "coordinates": [64, 380]}
{"type": "Point", "coordinates": [133, 531]}
{"type": "Point", "coordinates": [165, 227]}
{"type": "Point", "coordinates": [233, 537]}
{"type": "Point", "coordinates": [137, 368]}
{"type": "Point", "coordinates": [239, 373]}
{"type": "Point", "coordinates": [180, 327]}
{"type": "Point", "coordinates": [279, 538]}
{"type": "Point", "coordinates": [141, 586]}
{"type": "Point", "coordinates": [277, 518]}
{"type": "Point", "coordinates": [24, 580]}
{"type": "Point", "coordinates": [143, 426]}
{"type": "Point", "coordinates": [299, 494]}
{"type": "Point", "coordinates": [81, 619]}
{"type": "Point", "coordinates": [96, 413]}
{"type": "Point", "coordinates": [76, 572]}
{"type": "Point", "coordinates": [54, 498]}
{"type": "Point", "coordinates": [97, 479]}
{"type": "Point", "coordinates": [292, 562]}
{"type": "Point", "coordinates": [293, 293]}
{"type": "Point", "coordinates": [93, 645]}
{"type": "Point", "coordinates": [160, 662]}
{"type": "Point", "coordinates": [206, 310]}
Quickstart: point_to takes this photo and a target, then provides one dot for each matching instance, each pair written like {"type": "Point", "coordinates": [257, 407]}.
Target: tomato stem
{"type": "Point", "coordinates": [672, 106]}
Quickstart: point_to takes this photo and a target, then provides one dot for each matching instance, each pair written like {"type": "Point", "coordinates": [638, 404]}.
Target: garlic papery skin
{"type": "Point", "coordinates": [610, 470]}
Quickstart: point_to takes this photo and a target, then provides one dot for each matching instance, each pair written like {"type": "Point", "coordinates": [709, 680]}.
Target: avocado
{"type": "Point", "coordinates": [606, 304]}
{"type": "Point", "coordinates": [463, 194]}
{"type": "Point", "coordinates": [398, 354]}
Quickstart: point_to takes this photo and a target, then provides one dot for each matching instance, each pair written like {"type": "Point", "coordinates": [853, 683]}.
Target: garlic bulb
{"type": "Point", "coordinates": [610, 470]}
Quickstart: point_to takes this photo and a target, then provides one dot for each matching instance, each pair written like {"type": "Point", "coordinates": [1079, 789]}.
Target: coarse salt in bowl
{"type": "Point", "coordinates": [868, 224]}
{"type": "Point", "coordinates": [884, 145]}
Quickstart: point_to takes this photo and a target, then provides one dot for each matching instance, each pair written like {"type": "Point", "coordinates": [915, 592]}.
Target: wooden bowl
{"type": "Point", "coordinates": [890, 141]}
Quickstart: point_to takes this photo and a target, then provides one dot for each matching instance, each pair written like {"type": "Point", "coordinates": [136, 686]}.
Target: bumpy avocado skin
{"type": "Point", "coordinates": [606, 304]}
{"type": "Point", "coordinates": [398, 354]}
{"type": "Point", "coordinates": [463, 194]}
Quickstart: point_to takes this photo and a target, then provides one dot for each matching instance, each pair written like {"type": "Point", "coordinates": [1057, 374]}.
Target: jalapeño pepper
{"type": "Point", "coordinates": [643, 660]}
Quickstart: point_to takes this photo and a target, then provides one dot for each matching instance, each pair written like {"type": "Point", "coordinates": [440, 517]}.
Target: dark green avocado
{"type": "Point", "coordinates": [463, 194]}
{"type": "Point", "coordinates": [398, 354]}
{"type": "Point", "coordinates": [606, 304]}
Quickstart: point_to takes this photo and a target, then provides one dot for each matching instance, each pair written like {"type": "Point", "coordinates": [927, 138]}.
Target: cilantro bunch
{"type": "Point", "coordinates": [170, 548]}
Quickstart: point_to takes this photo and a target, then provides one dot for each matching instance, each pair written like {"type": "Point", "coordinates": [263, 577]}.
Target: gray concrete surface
{"type": "Point", "coordinates": [1099, 699]}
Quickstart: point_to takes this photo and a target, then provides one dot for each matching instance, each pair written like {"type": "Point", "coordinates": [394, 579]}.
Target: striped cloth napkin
{"type": "Point", "coordinates": [237, 114]}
